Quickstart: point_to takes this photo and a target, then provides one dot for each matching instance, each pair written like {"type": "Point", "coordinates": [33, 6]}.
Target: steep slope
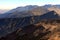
{"type": "Point", "coordinates": [37, 31]}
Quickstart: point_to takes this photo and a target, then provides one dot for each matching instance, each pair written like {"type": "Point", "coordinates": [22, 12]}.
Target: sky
{"type": "Point", "coordinates": [10, 4]}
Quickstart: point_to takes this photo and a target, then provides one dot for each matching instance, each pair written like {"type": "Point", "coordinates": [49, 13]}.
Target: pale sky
{"type": "Point", "coordinates": [10, 4]}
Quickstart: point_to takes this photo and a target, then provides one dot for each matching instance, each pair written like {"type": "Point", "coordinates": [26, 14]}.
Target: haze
{"type": "Point", "coordinates": [10, 4]}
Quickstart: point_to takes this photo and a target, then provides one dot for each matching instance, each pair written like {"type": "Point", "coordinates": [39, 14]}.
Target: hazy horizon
{"type": "Point", "coordinates": [10, 4]}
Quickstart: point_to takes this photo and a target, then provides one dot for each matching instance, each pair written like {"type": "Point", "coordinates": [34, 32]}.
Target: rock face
{"type": "Point", "coordinates": [50, 15]}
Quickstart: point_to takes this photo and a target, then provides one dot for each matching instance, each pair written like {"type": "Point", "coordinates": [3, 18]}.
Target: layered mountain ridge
{"type": "Point", "coordinates": [29, 23]}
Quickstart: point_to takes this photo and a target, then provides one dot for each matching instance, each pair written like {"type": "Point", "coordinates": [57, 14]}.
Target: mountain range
{"type": "Point", "coordinates": [30, 10]}
{"type": "Point", "coordinates": [31, 22]}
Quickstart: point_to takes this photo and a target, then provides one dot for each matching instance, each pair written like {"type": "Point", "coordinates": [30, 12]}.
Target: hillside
{"type": "Point", "coordinates": [41, 31]}
{"type": "Point", "coordinates": [9, 25]}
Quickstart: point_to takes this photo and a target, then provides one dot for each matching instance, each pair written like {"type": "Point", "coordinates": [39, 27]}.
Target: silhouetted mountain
{"type": "Point", "coordinates": [57, 10]}
{"type": "Point", "coordinates": [50, 15]}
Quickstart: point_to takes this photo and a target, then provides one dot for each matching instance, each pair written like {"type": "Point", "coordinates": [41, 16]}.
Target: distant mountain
{"type": "Point", "coordinates": [39, 11]}
{"type": "Point", "coordinates": [26, 11]}
{"type": "Point", "coordinates": [3, 11]}
{"type": "Point", "coordinates": [25, 8]}
{"type": "Point", "coordinates": [30, 10]}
